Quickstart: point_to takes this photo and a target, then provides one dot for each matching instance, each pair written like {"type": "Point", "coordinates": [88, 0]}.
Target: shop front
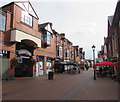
{"type": "Point", "coordinates": [39, 65]}
{"type": "Point", "coordinates": [25, 66]}
{"type": "Point", "coordinates": [24, 53]}
{"type": "Point", "coordinates": [26, 43]}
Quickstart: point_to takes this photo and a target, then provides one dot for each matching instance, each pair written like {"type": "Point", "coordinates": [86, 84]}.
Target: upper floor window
{"type": "Point", "coordinates": [77, 54]}
{"type": "Point", "coordinates": [66, 53]}
{"type": "Point", "coordinates": [26, 18]}
{"type": "Point", "coordinates": [46, 36]}
{"type": "Point", "coordinates": [59, 51]}
{"type": "Point", "coordinates": [2, 22]}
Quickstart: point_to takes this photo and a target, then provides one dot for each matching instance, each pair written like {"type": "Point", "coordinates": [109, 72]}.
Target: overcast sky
{"type": "Point", "coordinates": [83, 21]}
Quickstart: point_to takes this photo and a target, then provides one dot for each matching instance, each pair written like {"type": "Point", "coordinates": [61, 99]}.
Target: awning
{"type": "Point", "coordinates": [105, 63]}
{"type": "Point", "coordinates": [63, 63]}
{"type": "Point", "coordinates": [69, 63]}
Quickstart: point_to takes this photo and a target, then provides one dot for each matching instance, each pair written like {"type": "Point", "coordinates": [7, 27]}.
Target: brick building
{"type": "Point", "coordinates": [66, 53]}
{"type": "Point", "coordinates": [36, 47]}
{"type": "Point", "coordinates": [116, 34]}
{"type": "Point", "coordinates": [47, 52]}
{"type": "Point", "coordinates": [23, 37]}
{"type": "Point", "coordinates": [76, 54]}
{"type": "Point", "coordinates": [111, 48]}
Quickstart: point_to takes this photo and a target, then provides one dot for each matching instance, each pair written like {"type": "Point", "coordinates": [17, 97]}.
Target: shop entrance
{"type": "Point", "coordinates": [24, 69]}
{"type": "Point", "coordinates": [24, 52]}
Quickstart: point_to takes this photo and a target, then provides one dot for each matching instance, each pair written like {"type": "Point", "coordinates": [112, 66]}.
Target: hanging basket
{"type": "Point", "coordinates": [14, 61]}
{"type": "Point", "coordinates": [44, 44]}
{"type": "Point", "coordinates": [33, 61]}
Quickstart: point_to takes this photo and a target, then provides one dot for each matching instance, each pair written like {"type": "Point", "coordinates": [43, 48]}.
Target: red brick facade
{"type": "Point", "coordinates": [26, 39]}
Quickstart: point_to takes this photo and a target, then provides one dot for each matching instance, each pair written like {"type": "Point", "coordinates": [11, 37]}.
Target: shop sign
{"type": "Point", "coordinates": [4, 53]}
{"type": "Point", "coordinates": [27, 57]}
{"type": "Point", "coordinates": [24, 51]}
{"type": "Point", "coordinates": [40, 58]}
{"type": "Point", "coordinates": [49, 59]}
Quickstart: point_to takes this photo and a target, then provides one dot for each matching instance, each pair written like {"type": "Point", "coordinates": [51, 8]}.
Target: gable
{"type": "Point", "coordinates": [27, 7]}
{"type": "Point", "coordinates": [48, 28]}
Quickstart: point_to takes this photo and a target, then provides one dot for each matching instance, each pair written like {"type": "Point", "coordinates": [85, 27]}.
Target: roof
{"type": "Point", "coordinates": [46, 26]}
{"type": "Point", "coordinates": [7, 4]}
{"type": "Point", "coordinates": [43, 25]}
{"type": "Point", "coordinates": [110, 19]}
{"type": "Point", "coordinates": [116, 17]}
{"type": "Point", "coordinates": [25, 5]}
{"type": "Point", "coordinates": [76, 46]}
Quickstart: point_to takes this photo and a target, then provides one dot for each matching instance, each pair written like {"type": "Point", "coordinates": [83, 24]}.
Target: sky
{"type": "Point", "coordinates": [83, 21]}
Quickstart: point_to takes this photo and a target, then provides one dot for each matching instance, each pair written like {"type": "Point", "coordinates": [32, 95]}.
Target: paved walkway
{"type": "Point", "coordinates": [64, 87]}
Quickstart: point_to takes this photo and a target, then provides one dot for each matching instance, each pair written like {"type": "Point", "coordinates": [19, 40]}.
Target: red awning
{"type": "Point", "coordinates": [105, 63]}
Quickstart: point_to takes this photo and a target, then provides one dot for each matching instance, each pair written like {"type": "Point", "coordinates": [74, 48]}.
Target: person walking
{"type": "Point", "coordinates": [100, 71]}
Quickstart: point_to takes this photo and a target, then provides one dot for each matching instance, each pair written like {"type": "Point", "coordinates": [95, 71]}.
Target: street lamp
{"type": "Point", "coordinates": [93, 48]}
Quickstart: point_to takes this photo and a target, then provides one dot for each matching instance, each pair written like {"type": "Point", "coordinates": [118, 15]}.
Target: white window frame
{"type": "Point", "coordinates": [2, 22]}
{"type": "Point", "coordinates": [60, 51]}
{"type": "Point", "coordinates": [48, 38]}
{"type": "Point", "coordinates": [26, 18]}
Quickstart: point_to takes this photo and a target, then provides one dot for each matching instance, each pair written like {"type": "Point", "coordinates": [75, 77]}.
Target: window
{"type": "Point", "coordinates": [2, 22]}
{"type": "Point", "coordinates": [46, 36]}
{"type": "Point", "coordinates": [59, 51]}
{"type": "Point", "coordinates": [26, 18]}
{"type": "Point", "coordinates": [77, 54]}
{"type": "Point", "coordinates": [4, 54]}
{"type": "Point", "coordinates": [66, 53]}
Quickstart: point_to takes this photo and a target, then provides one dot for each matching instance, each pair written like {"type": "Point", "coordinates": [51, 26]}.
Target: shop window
{"type": "Point", "coordinates": [2, 22]}
{"type": "Point", "coordinates": [26, 18]}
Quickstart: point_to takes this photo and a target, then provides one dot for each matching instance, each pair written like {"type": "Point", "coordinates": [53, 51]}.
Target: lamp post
{"type": "Point", "coordinates": [93, 48]}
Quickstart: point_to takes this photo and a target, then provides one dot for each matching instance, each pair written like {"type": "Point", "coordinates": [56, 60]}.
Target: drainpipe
{"type": "Point", "coordinates": [118, 38]}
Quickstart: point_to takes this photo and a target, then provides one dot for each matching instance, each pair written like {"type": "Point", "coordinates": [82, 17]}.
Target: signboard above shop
{"type": "Point", "coordinates": [24, 52]}
{"type": "Point", "coordinates": [4, 53]}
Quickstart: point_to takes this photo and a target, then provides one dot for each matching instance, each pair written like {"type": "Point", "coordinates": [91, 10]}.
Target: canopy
{"type": "Point", "coordinates": [69, 63]}
{"type": "Point", "coordinates": [105, 63]}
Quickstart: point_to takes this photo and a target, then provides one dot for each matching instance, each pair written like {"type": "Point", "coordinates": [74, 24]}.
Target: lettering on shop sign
{"type": "Point", "coordinates": [24, 51]}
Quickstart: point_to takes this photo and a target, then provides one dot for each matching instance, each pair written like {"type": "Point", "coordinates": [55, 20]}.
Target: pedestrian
{"type": "Point", "coordinates": [100, 71]}
{"type": "Point", "coordinates": [86, 66]}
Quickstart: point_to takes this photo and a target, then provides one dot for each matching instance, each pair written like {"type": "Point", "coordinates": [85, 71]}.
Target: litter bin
{"type": "Point", "coordinates": [50, 75]}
